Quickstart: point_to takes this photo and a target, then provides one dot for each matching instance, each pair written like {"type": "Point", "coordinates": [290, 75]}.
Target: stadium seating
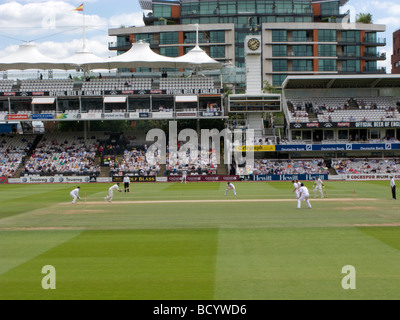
{"type": "Point", "coordinates": [66, 153]}
{"type": "Point", "coordinates": [6, 85]}
{"type": "Point", "coordinates": [47, 85]}
{"type": "Point", "coordinates": [272, 167]}
{"type": "Point", "coordinates": [117, 84]}
{"type": "Point", "coordinates": [13, 150]}
{"type": "Point", "coordinates": [366, 166]}
{"type": "Point", "coordinates": [186, 83]}
{"type": "Point", "coordinates": [134, 162]}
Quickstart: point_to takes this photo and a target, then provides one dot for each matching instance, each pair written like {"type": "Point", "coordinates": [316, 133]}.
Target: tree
{"type": "Point", "coordinates": [268, 88]}
{"type": "Point", "coordinates": [364, 18]}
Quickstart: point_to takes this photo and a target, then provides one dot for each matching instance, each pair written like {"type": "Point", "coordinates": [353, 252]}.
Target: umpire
{"type": "Point", "coordinates": [393, 186]}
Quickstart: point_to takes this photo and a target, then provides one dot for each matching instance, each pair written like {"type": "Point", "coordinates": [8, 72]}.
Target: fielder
{"type": "Point", "coordinates": [318, 185]}
{"type": "Point", "coordinates": [230, 186]}
{"type": "Point", "coordinates": [184, 173]}
{"type": "Point", "coordinates": [111, 192]}
{"type": "Point", "coordinates": [303, 195]}
{"type": "Point", "coordinates": [75, 194]}
{"type": "Point", "coordinates": [296, 185]}
{"type": "Point", "coordinates": [127, 182]}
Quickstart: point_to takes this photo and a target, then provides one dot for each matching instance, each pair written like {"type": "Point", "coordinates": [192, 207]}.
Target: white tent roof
{"type": "Point", "coordinates": [197, 57]}
{"type": "Point", "coordinates": [140, 55]}
{"type": "Point", "coordinates": [29, 57]}
{"type": "Point", "coordinates": [85, 60]}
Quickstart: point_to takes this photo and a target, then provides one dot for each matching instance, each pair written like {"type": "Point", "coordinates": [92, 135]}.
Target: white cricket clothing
{"type": "Point", "coordinates": [127, 180]}
{"type": "Point", "coordinates": [296, 186]}
{"type": "Point", "coordinates": [74, 194]}
{"type": "Point", "coordinates": [111, 192]}
{"type": "Point", "coordinates": [304, 195]}
{"type": "Point", "coordinates": [184, 173]}
{"type": "Point", "coordinates": [392, 183]}
{"type": "Point", "coordinates": [230, 186]}
{"type": "Point", "coordinates": [318, 187]}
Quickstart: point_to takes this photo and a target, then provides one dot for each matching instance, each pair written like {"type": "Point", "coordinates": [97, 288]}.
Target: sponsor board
{"type": "Point", "coordinates": [43, 116]}
{"type": "Point", "coordinates": [55, 179]}
{"type": "Point", "coordinates": [290, 177]}
{"type": "Point", "coordinates": [378, 176]}
{"type": "Point", "coordinates": [91, 115]}
{"type": "Point", "coordinates": [344, 124]}
{"type": "Point", "coordinates": [162, 115]}
{"type": "Point", "coordinates": [256, 148]}
{"type": "Point", "coordinates": [18, 117]}
{"type": "Point", "coordinates": [204, 178]}
{"type": "Point", "coordinates": [68, 116]}
{"type": "Point", "coordinates": [3, 180]}
{"type": "Point", "coordinates": [113, 115]}
{"type": "Point", "coordinates": [161, 179]}
{"type": "Point", "coordinates": [135, 179]}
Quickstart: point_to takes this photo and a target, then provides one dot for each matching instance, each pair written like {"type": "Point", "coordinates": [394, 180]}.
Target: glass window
{"type": "Point", "coordinates": [169, 51]}
{"type": "Point", "coordinates": [265, 7]}
{"type": "Point", "coordinates": [328, 134]}
{"type": "Point", "coordinates": [327, 65]}
{"type": "Point", "coordinates": [279, 51]}
{"type": "Point", "coordinates": [161, 11]}
{"type": "Point", "coordinates": [343, 134]}
{"type": "Point", "coordinates": [327, 35]}
{"type": "Point", "coordinates": [283, 7]}
{"type": "Point", "coordinates": [169, 37]}
{"type": "Point", "coordinates": [147, 37]}
{"type": "Point", "coordinates": [351, 66]}
{"type": "Point", "coordinates": [277, 79]}
{"type": "Point", "coordinates": [279, 36]}
{"type": "Point", "coordinates": [208, 8]}
{"type": "Point", "coordinates": [299, 36]}
{"type": "Point", "coordinates": [246, 6]}
{"type": "Point", "coordinates": [302, 51]}
{"type": "Point", "coordinates": [217, 36]}
{"type": "Point", "coordinates": [351, 51]}
{"type": "Point", "coordinates": [301, 7]}
{"type": "Point", "coordinates": [227, 7]}
{"type": "Point", "coordinates": [330, 8]}
{"type": "Point", "coordinates": [189, 8]}
{"type": "Point", "coordinates": [279, 65]}
{"type": "Point", "coordinates": [217, 51]}
{"type": "Point", "coordinates": [302, 65]}
{"type": "Point", "coordinates": [327, 50]}
{"type": "Point", "coordinates": [351, 36]}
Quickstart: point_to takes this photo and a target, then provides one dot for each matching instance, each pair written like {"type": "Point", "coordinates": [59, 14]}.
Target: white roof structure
{"type": "Point", "coordinates": [197, 57]}
{"type": "Point", "coordinates": [139, 55]}
{"type": "Point", "coordinates": [28, 56]}
{"type": "Point", "coordinates": [83, 59]}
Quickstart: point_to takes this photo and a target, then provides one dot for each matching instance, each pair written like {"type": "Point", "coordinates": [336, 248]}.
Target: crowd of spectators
{"type": "Point", "coordinates": [280, 167]}
{"type": "Point", "coordinates": [62, 153]}
{"type": "Point", "coordinates": [366, 166]}
{"type": "Point", "coordinates": [133, 162]}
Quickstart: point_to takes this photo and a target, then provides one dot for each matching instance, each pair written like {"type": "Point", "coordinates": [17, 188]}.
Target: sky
{"type": "Point", "coordinates": [57, 30]}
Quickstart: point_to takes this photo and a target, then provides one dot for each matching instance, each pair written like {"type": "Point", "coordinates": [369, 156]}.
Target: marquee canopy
{"type": "Point", "coordinates": [140, 55]}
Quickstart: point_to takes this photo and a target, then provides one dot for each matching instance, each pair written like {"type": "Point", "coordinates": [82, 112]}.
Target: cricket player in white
{"type": "Point", "coordinates": [75, 194]}
{"type": "Point", "coordinates": [230, 186]}
{"type": "Point", "coordinates": [393, 187]}
{"type": "Point", "coordinates": [296, 185]}
{"type": "Point", "coordinates": [111, 192]}
{"type": "Point", "coordinates": [318, 185]}
{"type": "Point", "coordinates": [304, 195]}
{"type": "Point", "coordinates": [184, 173]}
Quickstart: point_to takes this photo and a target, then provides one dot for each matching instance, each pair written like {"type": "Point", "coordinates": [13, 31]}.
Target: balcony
{"type": "Point", "coordinates": [376, 56]}
{"type": "Point", "coordinates": [378, 70]}
{"type": "Point", "coordinates": [374, 42]}
{"type": "Point", "coordinates": [123, 46]}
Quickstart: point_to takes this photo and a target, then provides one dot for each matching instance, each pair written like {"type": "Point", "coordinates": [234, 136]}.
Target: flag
{"type": "Point", "coordinates": [80, 8]}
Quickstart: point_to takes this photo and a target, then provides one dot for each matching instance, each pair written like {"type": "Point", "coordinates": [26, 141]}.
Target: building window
{"type": "Point", "coordinates": [330, 8]}
{"type": "Point", "coordinates": [279, 65]}
{"type": "Point", "coordinates": [279, 51]}
{"type": "Point", "coordinates": [327, 65]}
{"type": "Point", "coordinates": [327, 50]}
{"type": "Point", "coordinates": [302, 51]}
{"type": "Point", "coordinates": [351, 51]}
{"type": "Point", "coordinates": [227, 7]}
{"type": "Point", "coordinates": [161, 11]}
{"type": "Point", "coordinates": [208, 8]}
{"type": "Point", "coordinates": [277, 79]}
{"type": "Point", "coordinates": [169, 51]}
{"type": "Point", "coordinates": [299, 36]}
{"type": "Point", "coordinates": [279, 36]}
{"type": "Point", "coordinates": [217, 36]}
{"type": "Point", "coordinates": [217, 51]}
{"type": "Point", "coordinates": [351, 36]}
{"type": "Point", "coordinates": [265, 7]}
{"type": "Point", "coordinates": [302, 65]}
{"type": "Point", "coordinates": [146, 37]}
{"type": "Point", "coordinates": [351, 66]}
{"type": "Point", "coordinates": [246, 7]}
{"type": "Point", "coordinates": [327, 35]}
{"type": "Point", "coordinates": [169, 37]}
{"type": "Point", "coordinates": [189, 8]}
{"type": "Point", "coordinates": [283, 7]}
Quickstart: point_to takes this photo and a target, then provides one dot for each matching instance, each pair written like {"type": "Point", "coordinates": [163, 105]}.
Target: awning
{"type": "Point", "coordinates": [43, 100]}
{"type": "Point", "coordinates": [114, 99]}
{"type": "Point", "coordinates": [186, 98]}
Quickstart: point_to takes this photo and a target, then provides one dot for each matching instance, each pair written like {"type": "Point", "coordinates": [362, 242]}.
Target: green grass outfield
{"type": "Point", "coordinates": [168, 241]}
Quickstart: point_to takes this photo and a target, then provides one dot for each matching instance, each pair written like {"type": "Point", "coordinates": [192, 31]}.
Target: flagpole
{"type": "Point", "coordinates": [84, 30]}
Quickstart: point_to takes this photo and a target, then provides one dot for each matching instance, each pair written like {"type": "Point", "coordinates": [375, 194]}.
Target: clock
{"type": "Point", "coordinates": [253, 44]}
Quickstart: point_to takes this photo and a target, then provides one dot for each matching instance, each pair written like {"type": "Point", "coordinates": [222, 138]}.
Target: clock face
{"type": "Point", "coordinates": [253, 44]}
